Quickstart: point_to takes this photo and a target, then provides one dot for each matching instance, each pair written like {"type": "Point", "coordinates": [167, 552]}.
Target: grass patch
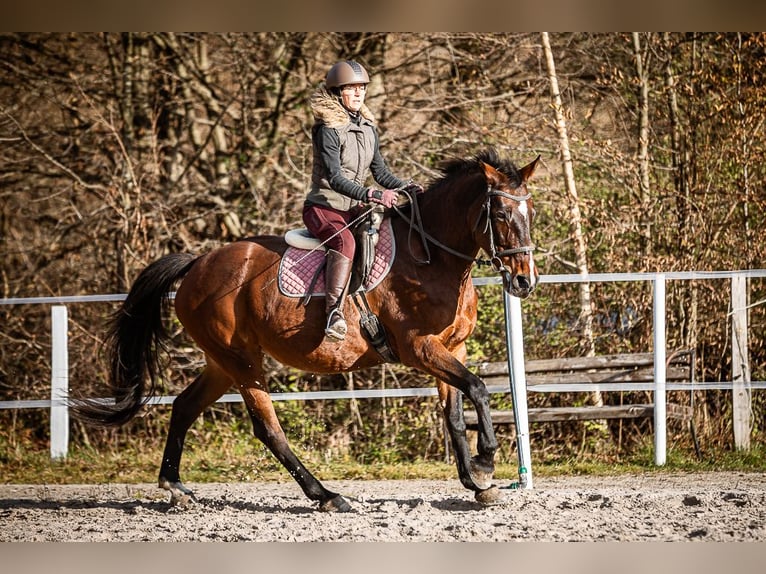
{"type": "Point", "coordinates": [230, 453]}
{"type": "Point", "coordinates": [243, 461]}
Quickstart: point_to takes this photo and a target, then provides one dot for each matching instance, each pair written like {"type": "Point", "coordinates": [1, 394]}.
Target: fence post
{"type": "Point", "coordinates": [515, 348]}
{"type": "Point", "coordinates": [59, 411]}
{"type": "Point", "coordinates": [660, 407]}
{"type": "Point", "coordinates": [740, 362]}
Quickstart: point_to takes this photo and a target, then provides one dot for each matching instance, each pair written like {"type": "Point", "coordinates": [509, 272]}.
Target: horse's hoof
{"type": "Point", "coordinates": [335, 504]}
{"type": "Point", "coordinates": [490, 496]}
{"type": "Point", "coordinates": [180, 496]}
{"type": "Point", "coordinates": [181, 500]}
{"type": "Point", "coordinates": [481, 476]}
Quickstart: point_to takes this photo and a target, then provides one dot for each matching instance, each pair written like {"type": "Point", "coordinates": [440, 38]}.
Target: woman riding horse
{"type": "Point", "coordinates": [346, 148]}
{"type": "Point", "coordinates": [229, 303]}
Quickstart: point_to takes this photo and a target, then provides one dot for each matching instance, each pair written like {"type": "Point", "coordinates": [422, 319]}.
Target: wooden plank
{"type": "Point", "coordinates": [589, 413]}
{"type": "Point", "coordinates": [584, 413]}
{"type": "Point", "coordinates": [629, 360]}
{"type": "Point", "coordinates": [642, 376]}
{"type": "Point", "coordinates": [617, 361]}
{"type": "Point", "coordinates": [625, 362]}
{"type": "Point", "coordinates": [680, 412]}
{"type": "Point", "coordinates": [630, 368]}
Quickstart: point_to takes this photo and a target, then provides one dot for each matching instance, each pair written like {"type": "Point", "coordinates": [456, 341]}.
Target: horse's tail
{"type": "Point", "coordinates": [135, 337]}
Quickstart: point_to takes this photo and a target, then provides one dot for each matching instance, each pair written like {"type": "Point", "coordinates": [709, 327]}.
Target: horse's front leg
{"type": "Point", "coordinates": [475, 473]}
{"type": "Point", "coordinates": [452, 406]}
{"type": "Point", "coordinates": [472, 473]}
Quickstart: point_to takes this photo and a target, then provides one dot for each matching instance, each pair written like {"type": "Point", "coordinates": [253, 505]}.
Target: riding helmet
{"type": "Point", "coordinates": [346, 72]}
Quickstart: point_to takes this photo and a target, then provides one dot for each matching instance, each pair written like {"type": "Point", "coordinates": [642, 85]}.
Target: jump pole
{"type": "Point", "coordinates": [660, 408]}
{"type": "Point", "coordinates": [59, 412]}
{"type": "Point", "coordinates": [514, 340]}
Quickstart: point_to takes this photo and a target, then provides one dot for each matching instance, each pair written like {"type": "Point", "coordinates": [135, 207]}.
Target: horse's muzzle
{"type": "Point", "coordinates": [517, 284]}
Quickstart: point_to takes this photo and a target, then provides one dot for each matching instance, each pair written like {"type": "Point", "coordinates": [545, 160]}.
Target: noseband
{"type": "Point", "coordinates": [495, 255]}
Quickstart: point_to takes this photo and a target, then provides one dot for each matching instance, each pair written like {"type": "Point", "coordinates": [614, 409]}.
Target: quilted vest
{"type": "Point", "coordinates": [357, 149]}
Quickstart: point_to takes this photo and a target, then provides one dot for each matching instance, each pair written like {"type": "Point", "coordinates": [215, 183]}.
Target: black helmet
{"type": "Point", "coordinates": [346, 72]}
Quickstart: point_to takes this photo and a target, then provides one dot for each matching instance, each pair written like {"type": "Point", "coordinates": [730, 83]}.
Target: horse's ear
{"type": "Point", "coordinates": [527, 171]}
{"type": "Point", "coordinates": [493, 176]}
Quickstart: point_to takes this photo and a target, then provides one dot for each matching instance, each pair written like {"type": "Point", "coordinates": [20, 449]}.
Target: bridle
{"type": "Point", "coordinates": [496, 255]}
{"type": "Point", "coordinates": [416, 224]}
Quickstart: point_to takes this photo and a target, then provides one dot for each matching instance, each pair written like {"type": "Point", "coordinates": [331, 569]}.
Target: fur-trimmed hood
{"type": "Point", "coordinates": [328, 110]}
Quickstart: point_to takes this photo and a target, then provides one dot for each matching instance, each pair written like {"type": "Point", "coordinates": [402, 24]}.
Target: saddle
{"type": "Point", "coordinates": [301, 271]}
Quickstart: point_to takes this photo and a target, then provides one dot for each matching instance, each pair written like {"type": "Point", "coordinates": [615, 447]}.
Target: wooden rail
{"type": "Point", "coordinates": [584, 374]}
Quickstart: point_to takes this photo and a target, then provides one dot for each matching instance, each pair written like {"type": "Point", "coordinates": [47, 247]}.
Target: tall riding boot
{"type": "Point", "coordinates": [337, 274]}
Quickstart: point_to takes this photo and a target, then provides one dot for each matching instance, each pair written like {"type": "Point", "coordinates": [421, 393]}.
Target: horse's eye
{"type": "Point", "coordinates": [501, 215]}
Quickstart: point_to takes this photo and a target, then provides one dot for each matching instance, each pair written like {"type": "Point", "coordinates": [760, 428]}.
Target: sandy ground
{"type": "Point", "coordinates": [650, 507]}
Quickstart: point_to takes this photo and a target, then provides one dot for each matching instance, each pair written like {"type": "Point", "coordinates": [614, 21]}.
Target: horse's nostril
{"type": "Point", "coordinates": [522, 282]}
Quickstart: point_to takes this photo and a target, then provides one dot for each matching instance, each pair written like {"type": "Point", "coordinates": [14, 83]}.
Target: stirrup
{"type": "Point", "coordinates": [336, 326]}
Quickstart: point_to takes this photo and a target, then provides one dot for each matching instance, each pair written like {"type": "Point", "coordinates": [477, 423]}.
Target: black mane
{"type": "Point", "coordinates": [490, 156]}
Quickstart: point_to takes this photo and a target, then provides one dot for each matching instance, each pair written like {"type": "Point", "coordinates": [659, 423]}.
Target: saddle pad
{"type": "Point", "coordinates": [298, 266]}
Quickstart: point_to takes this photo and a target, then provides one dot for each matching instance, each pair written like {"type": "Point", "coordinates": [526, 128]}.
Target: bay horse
{"type": "Point", "coordinates": [229, 303]}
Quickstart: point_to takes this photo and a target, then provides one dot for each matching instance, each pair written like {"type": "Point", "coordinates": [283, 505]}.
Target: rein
{"type": "Point", "coordinates": [416, 224]}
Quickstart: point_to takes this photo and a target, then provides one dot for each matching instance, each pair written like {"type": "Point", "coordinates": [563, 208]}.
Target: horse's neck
{"type": "Point", "coordinates": [446, 217]}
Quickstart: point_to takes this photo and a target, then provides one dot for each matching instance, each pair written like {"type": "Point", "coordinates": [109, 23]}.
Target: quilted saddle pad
{"type": "Point", "coordinates": [299, 266]}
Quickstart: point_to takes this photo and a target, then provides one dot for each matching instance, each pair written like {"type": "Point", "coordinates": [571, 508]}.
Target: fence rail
{"type": "Point", "coordinates": [514, 336]}
{"type": "Point", "coordinates": [417, 392]}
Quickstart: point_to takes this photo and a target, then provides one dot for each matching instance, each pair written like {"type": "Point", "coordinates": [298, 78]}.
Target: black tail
{"type": "Point", "coordinates": [135, 338]}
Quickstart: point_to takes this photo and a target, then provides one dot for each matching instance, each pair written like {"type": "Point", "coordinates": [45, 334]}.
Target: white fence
{"type": "Point", "coordinates": [741, 385]}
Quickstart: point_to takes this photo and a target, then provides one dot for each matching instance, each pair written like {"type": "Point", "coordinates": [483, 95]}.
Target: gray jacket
{"type": "Point", "coordinates": [345, 153]}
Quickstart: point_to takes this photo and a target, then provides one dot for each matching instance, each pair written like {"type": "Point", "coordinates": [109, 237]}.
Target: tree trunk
{"type": "Point", "coordinates": [745, 134]}
{"type": "Point", "coordinates": [580, 247]}
{"type": "Point", "coordinates": [573, 200]}
{"type": "Point", "coordinates": [643, 145]}
{"type": "Point", "coordinates": [678, 149]}
{"type": "Point", "coordinates": [688, 299]}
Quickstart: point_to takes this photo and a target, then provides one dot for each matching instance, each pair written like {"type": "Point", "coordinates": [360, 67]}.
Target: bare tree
{"type": "Point", "coordinates": [575, 222]}
{"type": "Point", "coordinates": [575, 218]}
{"type": "Point", "coordinates": [643, 141]}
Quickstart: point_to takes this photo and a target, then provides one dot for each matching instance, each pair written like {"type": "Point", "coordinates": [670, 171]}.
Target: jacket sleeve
{"type": "Point", "coordinates": [380, 171]}
{"type": "Point", "coordinates": [328, 144]}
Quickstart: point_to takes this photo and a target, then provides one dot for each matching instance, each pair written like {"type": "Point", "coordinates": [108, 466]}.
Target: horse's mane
{"type": "Point", "coordinates": [459, 166]}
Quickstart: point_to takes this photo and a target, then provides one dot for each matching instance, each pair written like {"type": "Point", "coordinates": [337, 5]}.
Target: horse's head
{"type": "Point", "coordinates": [507, 237]}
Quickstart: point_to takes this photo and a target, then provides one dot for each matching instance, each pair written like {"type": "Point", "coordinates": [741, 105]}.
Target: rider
{"type": "Point", "coordinates": [346, 149]}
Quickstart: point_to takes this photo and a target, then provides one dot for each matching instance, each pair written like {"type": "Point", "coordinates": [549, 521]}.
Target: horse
{"type": "Point", "coordinates": [229, 303]}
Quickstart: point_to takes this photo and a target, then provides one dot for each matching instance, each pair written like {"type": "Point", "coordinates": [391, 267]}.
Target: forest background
{"type": "Point", "coordinates": [120, 147]}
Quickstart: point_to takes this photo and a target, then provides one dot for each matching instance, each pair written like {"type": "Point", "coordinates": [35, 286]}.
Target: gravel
{"type": "Point", "coordinates": [645, 507]}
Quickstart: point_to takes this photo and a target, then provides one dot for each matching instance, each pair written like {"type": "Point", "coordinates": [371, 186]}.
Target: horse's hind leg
{"type": "Point", "coordinates": [207, 388]}
{"type": "Point", "coordinates": [267, 428]}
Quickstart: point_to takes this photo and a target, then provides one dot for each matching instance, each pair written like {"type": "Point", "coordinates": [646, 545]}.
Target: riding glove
{"type": "Point", "coordinates": [386, 197]}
